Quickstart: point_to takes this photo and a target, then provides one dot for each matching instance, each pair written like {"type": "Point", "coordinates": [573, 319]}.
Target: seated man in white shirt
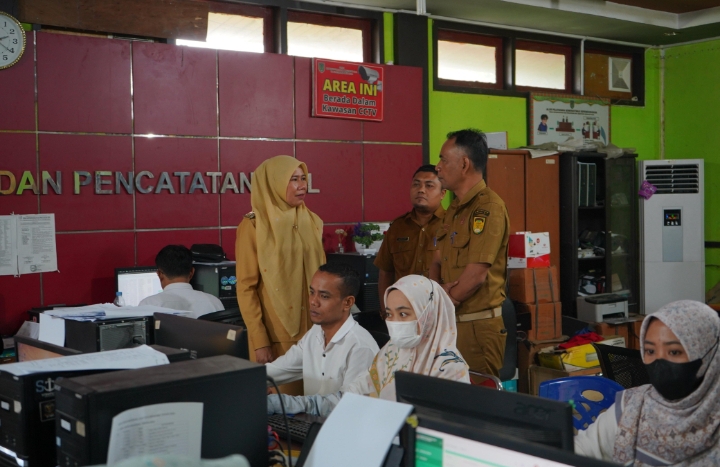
{"type": "Point", "coordinates": [336, 349]}
{"type": "Point", "coordinates": [175, 269]}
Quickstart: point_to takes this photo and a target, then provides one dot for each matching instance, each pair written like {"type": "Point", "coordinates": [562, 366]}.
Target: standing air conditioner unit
{"type": "Point", "coordinates": [672, 230]}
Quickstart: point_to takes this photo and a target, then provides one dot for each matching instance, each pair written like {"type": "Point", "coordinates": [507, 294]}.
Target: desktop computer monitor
{"type": "Point", "coordinates": [137, 283]}
{"type": "Point", "coordinates": [201, 338]}
{"type": "Point", "coordinates": [438, 442]}
{"type": "Point", "coordinates": [520, 416]}
{"type": "Point", "coordinates": [29, 349]}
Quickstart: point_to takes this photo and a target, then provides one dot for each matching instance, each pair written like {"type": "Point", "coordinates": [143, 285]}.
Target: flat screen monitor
{"type": "Point", "coordinates": [29, 349]}
{"type": "Point", "coordinates": [520, 416]}
{"type": "Point", "coordinates": [137, 283]}
{"type": "Point", "coordinates": [437, 443]}
{"type": "Point", "coordinates": [201, 338]}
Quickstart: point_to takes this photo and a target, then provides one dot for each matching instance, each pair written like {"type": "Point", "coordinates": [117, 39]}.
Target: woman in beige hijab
{"type": "Point", "coordinates": [278, 249]}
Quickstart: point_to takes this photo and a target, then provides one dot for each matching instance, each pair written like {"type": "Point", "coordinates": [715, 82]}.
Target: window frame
{"type": "Point", "coordinates": [320, 19]}
{"type": "Point", "coordinates": [254, 11]}
{"type": "Point", "coordinates": [543, 47]}
{"type": "Point", "coordinates": [475, 39]}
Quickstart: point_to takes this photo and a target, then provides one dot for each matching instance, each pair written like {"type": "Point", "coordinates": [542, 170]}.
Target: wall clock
{"type": "Point", "coordinates": [12, 41]}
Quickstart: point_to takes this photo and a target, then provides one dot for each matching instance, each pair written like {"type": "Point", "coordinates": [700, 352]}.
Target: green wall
{"type": "Point", "coordinates": [692, 110]}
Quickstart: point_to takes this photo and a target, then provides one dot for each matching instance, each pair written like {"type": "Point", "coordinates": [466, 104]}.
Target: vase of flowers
{"type": "Point", "coordinates": [367, 238]}
{"type": "Point", "coordinates": [341, 233]}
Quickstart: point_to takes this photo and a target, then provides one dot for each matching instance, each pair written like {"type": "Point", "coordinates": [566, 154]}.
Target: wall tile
{"type": "Point", "coordinates": [87, 263]}
{"type": "Point", "coordinates": [244, 156]}
{"type": "Point", "coordinates": [308, 127]}
{"type": "Point", "coordinates": [256, 94]}
{"type": "Point", "coordinates": [337, 172]}
{"type": "Point", "coordinates": [17, 155]}
{"type": "Point", "coordinates": [83, 84]}
{"type": "Point", "coordinates": [386, 198]}
{"type": "Point", "coordinates": [18, 93]}
{"type": "Point", "coordinates": [402, 120]}
{"type": "Point", "coordinates": [17, 295]}
{"type": "Point", "coordinates": [150, 243]}
{"type": "Point", "coordinates": [175, 90]}
{"type": "Point", "coordinates": [87, 210]}
{"type": "Point", "coordinates": [162, 210]}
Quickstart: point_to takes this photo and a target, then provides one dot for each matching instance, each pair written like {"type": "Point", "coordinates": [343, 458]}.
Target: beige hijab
{"type": "Point", "coordinates": [436, 354]}
{"type": "Point", "coordinates": [289, 240]}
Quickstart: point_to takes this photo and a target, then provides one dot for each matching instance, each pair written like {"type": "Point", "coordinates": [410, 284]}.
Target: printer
{"type": "Point", "coordinates": [597, 308]}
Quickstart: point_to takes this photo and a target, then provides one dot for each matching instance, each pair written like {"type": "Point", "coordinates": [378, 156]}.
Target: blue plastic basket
{"type": "Point", "coordinates": [589, 396]}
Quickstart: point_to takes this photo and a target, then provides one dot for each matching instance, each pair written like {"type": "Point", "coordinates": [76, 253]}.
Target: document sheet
{"type": "Point", "coordinates": [159, 429]}
{"type": "Point", "coordinates": [8, 246]}
{"type": "Point", "coordinates": [37, 251]}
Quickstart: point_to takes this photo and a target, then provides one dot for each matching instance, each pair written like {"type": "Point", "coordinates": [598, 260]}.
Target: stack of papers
{"type": "Point", "coordinates": [109, 311]}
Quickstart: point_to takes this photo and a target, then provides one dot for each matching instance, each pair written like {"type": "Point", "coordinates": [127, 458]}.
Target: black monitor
{"type": "Point", "coordinates": [201, 338]}
{"type": "Point", "coordinates": [137, 283]}
{"type": "Point", "coordinates": [439, 442]}
{"type": "Point", "coordinates": [29, 349]}
{"type": "Point", "coordinates": [520, 416]}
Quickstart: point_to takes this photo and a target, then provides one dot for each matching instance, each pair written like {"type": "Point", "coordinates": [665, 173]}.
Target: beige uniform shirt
{"type": "Point", "coordinates": [476, 230]}
{"type": "Point", "coordinates": [408, 246]}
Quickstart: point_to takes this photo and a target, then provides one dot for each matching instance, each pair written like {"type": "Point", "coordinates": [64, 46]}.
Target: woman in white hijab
{"type": "Point", "coordinates": [423, 334]}
{"type": "Point", "coordinates": [675, 420]}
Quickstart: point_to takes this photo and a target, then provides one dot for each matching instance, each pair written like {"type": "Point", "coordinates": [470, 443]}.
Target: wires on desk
{"type": "Point", "coordinates": [287, 424]}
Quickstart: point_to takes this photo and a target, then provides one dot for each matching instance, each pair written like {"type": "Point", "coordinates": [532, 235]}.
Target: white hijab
{"type": "Point", "coordinates": [436, 354]}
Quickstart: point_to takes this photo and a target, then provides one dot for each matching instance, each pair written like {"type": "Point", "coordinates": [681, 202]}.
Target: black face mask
{"type": "Point", "coordinates": [674, 380]}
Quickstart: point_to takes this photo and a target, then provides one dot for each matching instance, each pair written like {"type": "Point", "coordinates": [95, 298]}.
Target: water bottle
{"type": "Point", "coordinates": [119, 300]}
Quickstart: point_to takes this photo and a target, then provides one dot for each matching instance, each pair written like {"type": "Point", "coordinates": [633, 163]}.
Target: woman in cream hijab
{"type": "Point", "coordinates": [423, 334]}
{"type": "Point", "coordinates": [675, 420]}
{"type": "Point", "coordinates": [278, 249]}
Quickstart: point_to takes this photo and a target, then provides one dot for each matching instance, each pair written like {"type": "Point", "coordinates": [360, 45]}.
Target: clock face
{"type": "Point", "coordinates": [12, 41]}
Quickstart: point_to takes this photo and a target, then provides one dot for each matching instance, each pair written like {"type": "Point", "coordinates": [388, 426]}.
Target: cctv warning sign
{"type": "Point", "coordinates": [347, 90]}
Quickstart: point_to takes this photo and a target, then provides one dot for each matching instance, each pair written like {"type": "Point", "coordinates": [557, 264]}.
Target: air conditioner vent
{"type": "Point", "coordinates": [675, 178]}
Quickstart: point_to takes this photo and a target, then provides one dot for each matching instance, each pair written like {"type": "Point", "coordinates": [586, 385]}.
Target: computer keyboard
{"type": "Point", "coordinates": [298, 428]}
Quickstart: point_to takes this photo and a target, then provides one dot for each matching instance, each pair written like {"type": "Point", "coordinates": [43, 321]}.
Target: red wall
{"type": "Point", "coordinates": [98, 99]}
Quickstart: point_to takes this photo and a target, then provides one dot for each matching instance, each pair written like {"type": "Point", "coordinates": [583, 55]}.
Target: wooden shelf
{"type": "Point", "coordinates": [590, 258]}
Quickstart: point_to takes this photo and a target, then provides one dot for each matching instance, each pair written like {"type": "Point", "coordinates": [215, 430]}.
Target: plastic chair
{"type": "Point", "coordinates": [590, 396]}
{"type": "Point", "coordinates": [624, 366]}
{"type": "Point", "coordinates": [492, 382]}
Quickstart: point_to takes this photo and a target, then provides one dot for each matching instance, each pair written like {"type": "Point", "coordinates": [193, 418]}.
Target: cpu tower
{"type": "Point", "coordinates": [367, 299]}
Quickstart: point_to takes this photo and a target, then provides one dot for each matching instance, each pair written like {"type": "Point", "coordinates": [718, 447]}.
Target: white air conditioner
{"type": "Point", "coordinates": [672, 233]}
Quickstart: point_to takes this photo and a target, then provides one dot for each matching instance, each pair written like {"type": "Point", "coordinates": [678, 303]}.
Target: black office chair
{"type": "Point", "coordinates": [380, 337]}
{"type": "Point", "coordinates": [507, 372]}
{"type": "Point", "coordinates": [624, 366]}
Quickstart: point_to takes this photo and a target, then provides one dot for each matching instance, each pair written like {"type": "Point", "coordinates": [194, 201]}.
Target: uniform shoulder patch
{"type": "Point", "coordinates": [481, 212]}
{"type": "Point", "coordinates": [250, 215]}
{"type": "Point", "coordinates": [478, 224]}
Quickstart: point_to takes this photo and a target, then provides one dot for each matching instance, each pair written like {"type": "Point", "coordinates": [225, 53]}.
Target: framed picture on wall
{"type": "Point", "coordinates": [555, 118]}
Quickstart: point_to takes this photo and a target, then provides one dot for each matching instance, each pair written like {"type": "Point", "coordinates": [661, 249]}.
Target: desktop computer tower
{"type": "Point", "coordinates": [367, 299]}
{"type": "Point", "coordinates": [109, 334]}
{"type": "Point", "coordinates": [27, 413]}
{"type": "Point", "coordinates": [218, 279]}
{"type": "Point", "coordinates": [232, 390]}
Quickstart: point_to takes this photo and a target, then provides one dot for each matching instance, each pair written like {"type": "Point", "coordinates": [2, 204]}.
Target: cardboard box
{"type": "Point", "coordinates": [538, 374]}
{"type": "Point", "coordinates": [545, 319]}
{"type": "Point", "coordinates": [527, 353]}
{"type": "Point", "coordinates": [534, 285]}
{"type": "Point", "coordinates": [628, 328]}
{"type": "Point", "coordinates": [529, 245]}
{"type": "Point", "coordinates": [524, 263]}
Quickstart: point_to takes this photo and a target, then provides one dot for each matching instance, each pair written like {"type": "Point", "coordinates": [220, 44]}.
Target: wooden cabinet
{"type": "Point", "coordinates": [607, 221]}
{"type": "Point", "coordinates": [531, 191]}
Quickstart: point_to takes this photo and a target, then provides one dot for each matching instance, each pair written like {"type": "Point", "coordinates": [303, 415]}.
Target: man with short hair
{"type": "Point", "coordinates": [336, 349]}
{"type": "Point", "coordinates": [408, 247]}
{"type": "Point", "coordinates": [471, 256]}
{"type": "Point", "coordinates": [175, 270]}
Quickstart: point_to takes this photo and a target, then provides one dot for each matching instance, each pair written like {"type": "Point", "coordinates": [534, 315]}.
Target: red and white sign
{"type": "Point", "coordinates": [347, 90]}
{"type": "Point", "coordinates": [529, 250]}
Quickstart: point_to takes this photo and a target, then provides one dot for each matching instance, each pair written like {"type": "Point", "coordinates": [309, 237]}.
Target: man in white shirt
{"type": "Point", "coordinates": [336, 350]}
{"type": "Point", "coordinates": [175, 269]}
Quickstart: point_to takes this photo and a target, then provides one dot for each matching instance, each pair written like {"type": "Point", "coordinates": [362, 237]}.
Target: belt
{"type": "Point", "coordinates": [485, 314]}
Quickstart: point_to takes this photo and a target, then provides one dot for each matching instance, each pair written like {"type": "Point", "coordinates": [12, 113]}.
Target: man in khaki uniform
{"type": "Point", "coordinates": [408, 244]}
{"type": "Point", "coordinates": [471, 256]}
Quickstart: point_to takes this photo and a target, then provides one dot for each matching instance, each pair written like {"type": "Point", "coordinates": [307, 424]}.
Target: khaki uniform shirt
{"type": "Point", "coordinates": [476, 230]}
{"type": "Point", "coordinates": [263, 325]}
{"type": "Point", "coordinates": [408, 246]}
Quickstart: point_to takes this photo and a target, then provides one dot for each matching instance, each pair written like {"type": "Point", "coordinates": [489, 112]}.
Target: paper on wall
{"type": "Point", "coordinates": [158, 429]}
{"type": "Point", "coordinates": [37, 251]}
{"type": "Point", "coordinates": [123, 359]}
{"type": "Point", "coordinates": [8, 246]}
{"type": "Point", "coordinates": [356, 423]}
{"type": "Point", "coordinates": [52, 330]}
